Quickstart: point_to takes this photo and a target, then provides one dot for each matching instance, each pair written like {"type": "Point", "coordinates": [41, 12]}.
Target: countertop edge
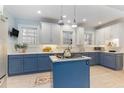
{"type": "Point", "coordinates": [61, 52]}
{"type": "Point", "coordinates": [54, 59]}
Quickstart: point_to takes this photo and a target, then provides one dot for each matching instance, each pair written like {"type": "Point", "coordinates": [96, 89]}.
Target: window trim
{"type": "Point", "coordinates": [71, 31]}
{"type": "Point", "coordinates": [30, 26]}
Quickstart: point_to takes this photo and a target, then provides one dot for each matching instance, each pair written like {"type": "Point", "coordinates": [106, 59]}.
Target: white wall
{"type": "Point", "coordinates": [11, 24]}
{"type": "Point", "coordinates": [26, 22]}
{"type": "Point", "coordinates": [121, 36]}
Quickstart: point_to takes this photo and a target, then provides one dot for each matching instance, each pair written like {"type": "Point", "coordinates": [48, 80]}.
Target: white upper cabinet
{"type": "Point", "coordinates": [79, 36]}
{"type": "Point", "coordinates": [100, 36]}
{"type": "Point", "coordinates": [103, 35]}
{"type": "Point", "coordinates": [50, 33]}
{"type": "Point", "coordinates": [45, 35]}
{"type": "Point", "coordinates": [54, 34]}
{"type": "Point", "coordinates": [107, 33]}
{"type": "Point", "coordinates": [115, 31]}
{"type": "Point", "coordinates": [56, 31]}
{"type": "Point", "coordinates": [1, 9]}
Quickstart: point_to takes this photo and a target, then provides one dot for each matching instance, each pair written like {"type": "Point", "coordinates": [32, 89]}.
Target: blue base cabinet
{"type": "Point", "coordinates": [94, 57]}
{"type": "Point", "coordinates": [111, 60]}
{"type": "Point", "coordinates": [15, 65]}
{"type": "Point", "coordinates": [71, 74]}
{"type": "Point", "coordinates": [30, 63]}
{"type": "Point", "coordinates": [44, 63]}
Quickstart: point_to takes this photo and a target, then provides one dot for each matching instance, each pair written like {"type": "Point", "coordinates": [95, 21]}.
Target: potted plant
{"type": "Point", "coordinates": [21, 47]}
{"type": "Point", "coordinates": [24, 47]}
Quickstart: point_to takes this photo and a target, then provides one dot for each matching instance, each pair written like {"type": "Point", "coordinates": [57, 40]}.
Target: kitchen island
{"type": "Point", "coordinates": [71, 72]}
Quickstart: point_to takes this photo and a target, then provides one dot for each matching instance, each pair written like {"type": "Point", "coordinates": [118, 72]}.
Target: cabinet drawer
{"type": "Point", "coordinates": [44, 55]}
{"type": "Point", "coordinates": [15, 56]}
{"type": "Point", "coordinates": [30, 55]}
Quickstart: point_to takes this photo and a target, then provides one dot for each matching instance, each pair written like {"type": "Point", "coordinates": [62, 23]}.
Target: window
{"type": "Point", "coordinates": [28, 35]}
{"type": "Point", "coordinates": [88, 38]}
{"type": "Point", "coordinates": [67, 37]}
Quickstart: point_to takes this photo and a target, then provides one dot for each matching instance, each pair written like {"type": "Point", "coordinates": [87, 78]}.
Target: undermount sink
{"type": "Point", "coordinates": [73, 56]}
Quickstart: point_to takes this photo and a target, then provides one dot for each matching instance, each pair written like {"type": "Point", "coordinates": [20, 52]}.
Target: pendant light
{"type": "Point", "coordinates": [61, 22]}
{"type": "Point", "coordinates": [74, 25]}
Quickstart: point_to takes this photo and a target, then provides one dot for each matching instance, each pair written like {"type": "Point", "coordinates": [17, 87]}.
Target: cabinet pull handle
{"type": "Point", "coordinates": [87, 63]}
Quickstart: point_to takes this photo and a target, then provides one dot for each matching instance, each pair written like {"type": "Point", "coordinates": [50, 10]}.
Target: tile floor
{"type": "Point", "coordinates": [100, 77]}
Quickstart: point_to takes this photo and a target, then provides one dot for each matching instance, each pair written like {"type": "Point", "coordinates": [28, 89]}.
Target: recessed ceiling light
{"type": "Point", "coordinates": [64, 16]}
{"type": "Point", "coordinates": [68, 21]}
{"type": "Point", "coordinates": [99, 22]}
{"type": "Point", "coordinates": [84, 20]}
{"type": "Point", "coordinates": [39, 12]}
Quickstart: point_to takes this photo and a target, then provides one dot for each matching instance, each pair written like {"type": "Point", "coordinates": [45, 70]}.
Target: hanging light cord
{"type": "Point", "coordinates": [61, 11]}
{"type": "Point", "coordinates": [74, 14]}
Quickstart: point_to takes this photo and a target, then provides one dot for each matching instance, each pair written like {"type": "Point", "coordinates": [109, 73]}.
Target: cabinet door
{"type": "Point", "coordinates": [55, 35]}
{"type": "Point", "coordinates": [85, 54]}
{"type": "Point", "coordinates": [15, 65]}
{"type": "Point", "coordinates": [44, 63]}
{"type": "Point", "coordinates": [102, 60]}
{"type": "Point", "coordinates": [93, 60]}
{"type": "Point", "coordinates": [30, 64]}
{"type": "Point", "coordinates": [80, 36]}
{"type": "Point", "coordinates": [100, 38]}
{"type": "Point", "coordinates": [107, 32]}
{"type": "Point", "coordinates": [46, 32]}
{"type": "Point", "coordinates": [110, 61]}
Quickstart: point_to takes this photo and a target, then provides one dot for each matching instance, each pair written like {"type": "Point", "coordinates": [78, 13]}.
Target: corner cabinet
{"type": "Point", "coordinates": [50, 33]}
{"type": "Point", "coordinates": [111, 60]}
{"type": "Point", "coordinates": [94, 57]}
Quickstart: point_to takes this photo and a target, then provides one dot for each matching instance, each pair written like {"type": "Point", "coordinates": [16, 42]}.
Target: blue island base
{"type": "Point", "coordinates": [71, 74]}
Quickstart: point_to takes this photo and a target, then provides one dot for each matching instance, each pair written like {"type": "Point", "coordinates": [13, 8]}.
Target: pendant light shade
{"type": "Point", "coordinates": [74, 25]}
{"type": "Point", "coordinates": [61, 22]}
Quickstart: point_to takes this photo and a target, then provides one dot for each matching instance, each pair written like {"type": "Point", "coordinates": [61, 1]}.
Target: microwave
{"type": "Point", "coordinates": [99, 48]}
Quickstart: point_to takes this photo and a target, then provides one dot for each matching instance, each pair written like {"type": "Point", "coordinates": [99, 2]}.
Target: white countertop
{"type": "Point", "coordinates": [56, 59]}
{"type": "Point", "coordinates": [17, 53]}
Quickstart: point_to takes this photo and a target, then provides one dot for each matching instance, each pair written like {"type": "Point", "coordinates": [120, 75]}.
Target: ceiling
{"type": "Point", "coordinates": [93, 13]}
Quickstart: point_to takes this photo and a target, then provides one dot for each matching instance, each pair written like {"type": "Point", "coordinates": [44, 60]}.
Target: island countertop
{"type": "Point", "coordinates": [56, 59]}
